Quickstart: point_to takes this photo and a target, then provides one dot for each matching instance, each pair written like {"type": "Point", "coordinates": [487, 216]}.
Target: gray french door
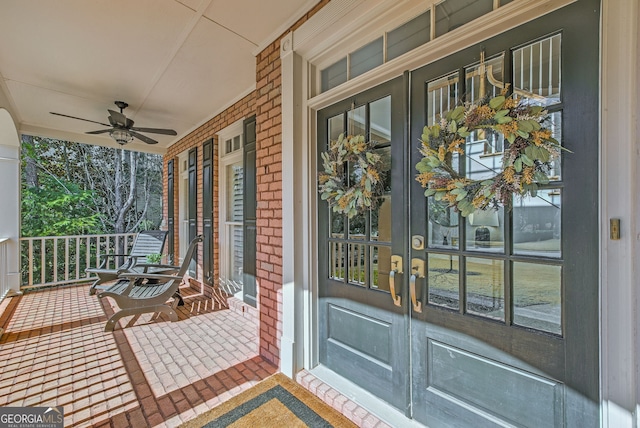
{"type": "Point", "coordinates": [495, 322]}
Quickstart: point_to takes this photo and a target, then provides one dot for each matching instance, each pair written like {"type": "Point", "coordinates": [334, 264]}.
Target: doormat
{"type": "Point", "coordinates": [275, 402]}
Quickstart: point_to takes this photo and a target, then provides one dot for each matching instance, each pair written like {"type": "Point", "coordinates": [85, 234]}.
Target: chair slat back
{"type": "Point", "coordinates": [149, 242]}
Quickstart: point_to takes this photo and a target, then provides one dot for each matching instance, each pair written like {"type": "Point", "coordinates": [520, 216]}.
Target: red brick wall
{"type": "Point", "coordinates": [266, 104]}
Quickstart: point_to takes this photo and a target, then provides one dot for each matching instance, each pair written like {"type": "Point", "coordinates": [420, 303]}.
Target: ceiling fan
{"type": "Point", "coordinates": [122, 129]}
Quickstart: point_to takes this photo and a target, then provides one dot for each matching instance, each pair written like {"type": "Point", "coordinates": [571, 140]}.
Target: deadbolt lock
{"type": "Point", "coordinates": [417, 242]}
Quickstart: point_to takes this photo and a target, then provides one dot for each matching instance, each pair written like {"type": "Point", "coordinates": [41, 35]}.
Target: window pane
{"type": "Point", "coordinates": [366, 58]}
{"type": "Point", "coordinates": [442, 96]}
{"type": "Point", "coordinates": [485, 80]}
{"type": "Point", "coordinates": [381, 221]}
{"type": "Point", "coordinates": [336, 127]}
{"type": "Point", "coordinates": [485, 230]}
{"type": "Point", "coordinates": [443, 280]}
{"type": "Point", "coordinates": [235, 251]}
{"type": "Point", "coordinates": [536, 71]}
{"type": "Point", "coordinates": [451, 14]}
{"type": "Point", "coordinates": [443, 225]}
{"type": "Point", "coordinates": [356, 264]}
{"type": "Point", "coordinates": [380, 267]}
{"type": "Point", "coordinates": [537, 224]}
{"type": "Point", "coordinates": [334, 75]}
{"type": "Point", "coordinates": [356, 121]}
{"type": "Point", "coordinates": [336, 260]}
{"type": "Point", "coordinates": [234, 192]}
{"type": "Point", "coordinates": [380, 121]}
{"type": "Point", "coordinates": [537, 296]}
{"type": "Point", "coordinates": [409, 36]}
{"type": "Point", "coordinates": [485, 287]}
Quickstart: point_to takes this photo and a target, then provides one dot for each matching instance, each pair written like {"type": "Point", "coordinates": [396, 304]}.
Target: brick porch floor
{"type": "Point", "coordinates": [151, 373]}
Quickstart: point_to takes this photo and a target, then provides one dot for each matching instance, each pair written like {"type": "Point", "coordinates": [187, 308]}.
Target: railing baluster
{"type": "Point", "coordinates": [66, 258]}
{"type": "Point", "coordinates": [77, 257]}
{"type": "Point", "coordinates": [43, 261]}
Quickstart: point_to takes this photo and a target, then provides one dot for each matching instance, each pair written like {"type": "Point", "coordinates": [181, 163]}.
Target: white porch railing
{"type": "Point", "coordinates": [4, 269]}
{"type": "Point", "coordinates": [57, 260]}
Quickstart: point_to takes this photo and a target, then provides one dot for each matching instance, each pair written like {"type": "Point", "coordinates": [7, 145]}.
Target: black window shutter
{"type": "Point", "coordinates": [170, 211]}
{"type": "Point", "coordinates": [207, 212]}
{"type": "Point", "coordinates": [249, 214]}
{"type": "Point", "coordinates": [193, 206]}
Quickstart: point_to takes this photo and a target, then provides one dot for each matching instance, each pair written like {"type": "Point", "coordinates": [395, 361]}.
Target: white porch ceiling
{"type": "Point", "coordinates": [176, 62]}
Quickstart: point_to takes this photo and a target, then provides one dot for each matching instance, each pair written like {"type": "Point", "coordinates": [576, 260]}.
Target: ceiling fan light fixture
{"type": "Point", "coordinates": [121, 136]}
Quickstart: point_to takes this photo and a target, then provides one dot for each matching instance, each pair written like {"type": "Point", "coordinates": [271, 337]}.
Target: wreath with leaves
{"type": "Point", "coordinates": [353, 175]}
{"type": "Point", "coordinates": [526, 161]}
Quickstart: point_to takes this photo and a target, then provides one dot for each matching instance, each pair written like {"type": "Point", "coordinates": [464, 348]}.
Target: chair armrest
{"type": "Point", "coordinates": [132, 275]}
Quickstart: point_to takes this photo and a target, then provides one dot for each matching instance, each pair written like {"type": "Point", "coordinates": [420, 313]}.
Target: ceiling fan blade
{"type": "Point", "coordinates": [79, 118]}
{"type": "Point", "coordinates": [143, 138]}
{"type": "Point", "coordinates": [101, 131]}
{"type": "Point", "coordinates": [118, 118]}
{"type": "Point", "coordinates": [156, 131]}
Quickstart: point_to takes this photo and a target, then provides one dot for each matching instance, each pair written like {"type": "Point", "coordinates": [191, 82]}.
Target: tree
{"type": "Point", "coordinates": [95, 189]}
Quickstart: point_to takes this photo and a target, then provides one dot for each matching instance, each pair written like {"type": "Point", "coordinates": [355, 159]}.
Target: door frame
{"type": "Point", "coordinates": [316, 42]}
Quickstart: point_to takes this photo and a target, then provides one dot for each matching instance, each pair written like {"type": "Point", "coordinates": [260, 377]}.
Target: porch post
{"type": "Point", "coordinates": [620, 258]}
{"type": "Point", "coordinates": [10, 197]}
{"type": "Point", "coordinates": [294, 223]}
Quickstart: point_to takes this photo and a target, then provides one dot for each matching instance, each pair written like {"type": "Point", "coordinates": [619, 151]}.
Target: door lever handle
{"type": "Point", "coordinates": [417, 266]}
{"type": "Point", "coordinates": [396, 267]}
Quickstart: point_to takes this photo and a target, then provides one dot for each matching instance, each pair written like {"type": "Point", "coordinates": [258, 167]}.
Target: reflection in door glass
{"type": "Point", "coordinates": [380, 120]}
{"type": "Point", "coordinates": [443, 280]}
{"type": "Point", "coordinates": [536, 71]}
{"type": "Point", "coordinates": [356, 266]}
{"type": "Point", "coordinates": [443, 225]}
{"type": "Point", "coordinates": [336, 260]}
{"type": "Point", "coordinates": [356, 121]}
{"type": "Point", "coordinates": [380, 267]}
{"type": "Point", "coordinates": [442, 96]}
{"type": "Point", "coordinates": [484, 80]}
{"type": "Point", "coordinates": [336, 127]}
{"type": "Point", "coordinates": [485, 287]}
{"type": "Point", "coordinates": [537, 224]}
{"type": "Point", "coordinates": [537, 297]}
{"type": "Point", "coordinates": [485, 230]}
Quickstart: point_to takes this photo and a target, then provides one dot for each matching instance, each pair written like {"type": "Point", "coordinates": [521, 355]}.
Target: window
{"type": "Point", "coordinates": [231, 178]}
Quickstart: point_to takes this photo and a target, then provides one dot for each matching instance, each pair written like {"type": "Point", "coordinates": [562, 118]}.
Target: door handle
{"type": "Point", "coordinates": [396, 267]}
{"type": "Point", "coordinates": [417, 267]}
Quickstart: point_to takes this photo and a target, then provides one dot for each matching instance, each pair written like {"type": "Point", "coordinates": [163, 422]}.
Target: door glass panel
{"type": "Point", "coordinates": [485, 231]}
{"type": "Point", "coordinates": [537, 296]}
{"type": "Point", "coordinates": [554, 123]}
{"type": "Point", "coordinates": [356, 121]}
{"type": "Point", "coordinates": [336, 260]}
{"type": "Point", "coordinates": [537, 224]}
{"type": "Point", "coordinates": [380, 267]}
{"type": "Point", "coordinates": [484, 80]}
{"type": "Point", "coordinates": [485, 287]}
{"type": "Point", "coordinates": [380, 120]}
{"type": "Point", "coordinates": [357, 265]}
{"type": "Point", "coordinates": [385, 156]}
{"type": "Point", "coordinates": [443, 280]}
{"type": "Point", "coordinates": [443, 225]}
{"type": "Point", "coordinates": [536, 71]}
{"type": "Point", "coordinates": [442, 96]}
{"type": "Point", "coordinates": [336, 127]}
